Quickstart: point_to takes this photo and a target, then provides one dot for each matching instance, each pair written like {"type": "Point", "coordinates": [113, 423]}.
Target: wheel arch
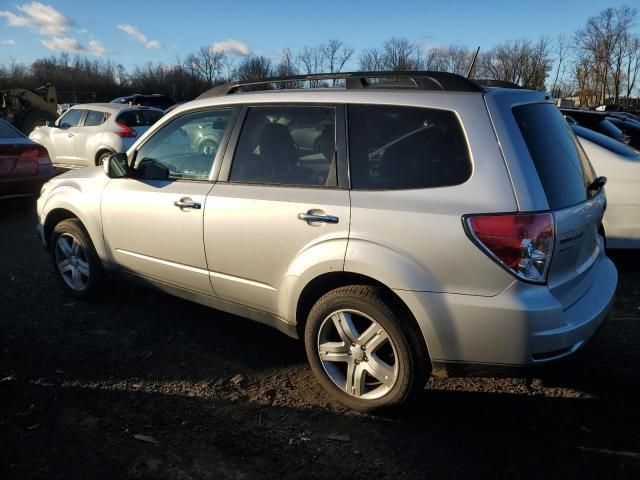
{"type": "Point", "coordinates": [53, 218]}
{"type": "Point", "coordinates": [102, 149]}
{"type": "Point", "coordinates": [326, 282]}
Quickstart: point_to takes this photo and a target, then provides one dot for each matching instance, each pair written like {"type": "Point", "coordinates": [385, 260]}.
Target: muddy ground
{"type": "Point", "coordinates": [143, 385]}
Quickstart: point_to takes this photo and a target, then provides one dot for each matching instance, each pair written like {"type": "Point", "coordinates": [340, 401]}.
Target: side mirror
{"type": "Point", "coordinates": [116, 166]}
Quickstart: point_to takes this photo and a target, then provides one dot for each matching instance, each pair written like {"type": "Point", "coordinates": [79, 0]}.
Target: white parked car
{"type": "Point", "coordinates": [621, 165]}
{"type": "Point", "coordinates": [88, 133]}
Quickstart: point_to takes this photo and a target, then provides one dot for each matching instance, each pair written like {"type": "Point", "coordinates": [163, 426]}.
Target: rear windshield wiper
{"type": "Point", "coordinates": [597, 184]}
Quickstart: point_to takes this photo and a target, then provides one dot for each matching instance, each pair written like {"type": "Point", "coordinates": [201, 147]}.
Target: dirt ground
{"type": "Point", "coordinates": [143, 385]}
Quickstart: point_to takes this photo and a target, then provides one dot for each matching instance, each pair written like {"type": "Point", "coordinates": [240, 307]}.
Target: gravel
{"type": "Point", "coordinates": [143, 385]}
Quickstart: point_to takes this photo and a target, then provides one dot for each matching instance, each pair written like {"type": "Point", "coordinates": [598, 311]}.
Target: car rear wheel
{"type": "Point", "coordinates": [363, 349]}
{"type": "Point", "coordinates": [75, 259]}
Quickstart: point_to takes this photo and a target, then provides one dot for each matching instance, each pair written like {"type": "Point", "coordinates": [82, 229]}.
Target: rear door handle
{"type": "Point", "coordinates": [310, 217]}
{"type": "Point", "coordinates": [70, 134]}
{"type": "Point", "coordinates": [187, 203]}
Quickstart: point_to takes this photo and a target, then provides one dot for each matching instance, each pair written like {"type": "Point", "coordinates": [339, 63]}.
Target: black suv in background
{"type": "Point", "coordinates": [151, 100]}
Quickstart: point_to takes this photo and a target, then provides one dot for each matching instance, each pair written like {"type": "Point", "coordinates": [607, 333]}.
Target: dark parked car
{"type": "Point", "coordinates": [629, 127]}
{"type": "Point", "coordinates": [24, 165]}
{"type": "Point", "coordinates": [153, 100]}
{"type": "Point", "coordinates": [596, 121]}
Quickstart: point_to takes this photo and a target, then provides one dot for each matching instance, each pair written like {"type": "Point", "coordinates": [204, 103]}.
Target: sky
{"type": "Point", "coordinates": [135, 32]}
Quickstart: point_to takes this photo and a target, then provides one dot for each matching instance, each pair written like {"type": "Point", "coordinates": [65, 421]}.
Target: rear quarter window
{"type": "Point", "coordinates": [394, 147]}
{"type": "Point", "coordinates": [562, 165]}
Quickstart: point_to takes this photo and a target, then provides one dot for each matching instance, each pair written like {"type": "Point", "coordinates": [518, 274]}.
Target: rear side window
{"type": "Point", "coordinates": [139, 118]}
{"type": "Point", "coordinates": [562, 166]}
{"type": "Point", "coordinates": [94, 118]}
{"type": "Point", "coordinates": [393, 147]}
{"type": "Point", "coordinates": [287, 145]}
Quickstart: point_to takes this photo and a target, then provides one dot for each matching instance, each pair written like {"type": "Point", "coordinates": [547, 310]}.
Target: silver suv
{"type": "Point", "coordinates": [405, 224]}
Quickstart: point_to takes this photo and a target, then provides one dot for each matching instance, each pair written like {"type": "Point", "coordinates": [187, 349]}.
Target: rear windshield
{"type": "Point", "coordinates": [562, 166]}
{"type": "Point", "coordinates": [7, 131]}
{"type": "Point", "coordinates": [158, 102]}
{"type": "Point", "coordinates": [606, 142]}
{"type": "Point", "coordinates": [139, 118]}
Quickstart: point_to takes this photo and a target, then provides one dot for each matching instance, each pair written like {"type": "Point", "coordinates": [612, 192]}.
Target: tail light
{"type": "Point", "coordinates": [522, 243]}
{"type": "Point", "coordinates": [43, 157]}
{"type": "Point", "coordinates": [37, 155]}
{"type": "Point", "coordinates": [125, 130]}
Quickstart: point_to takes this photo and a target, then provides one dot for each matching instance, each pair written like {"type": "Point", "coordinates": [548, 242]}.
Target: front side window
{"type": "Point", "coordinates": [394, 148]}
{"type": "Point", "coordinates": [94, 118]}
{"type": "Point", "coordinates": [186, 147]}
{"type": "Point", "coordinates": [292, 145]}
{"type": "Point", "coordinates": [71, 118]}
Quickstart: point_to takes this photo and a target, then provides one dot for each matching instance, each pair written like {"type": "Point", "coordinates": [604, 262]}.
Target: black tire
{"type": "Point", "coordinates": [35, 118]}
{"type": "Point", "coordinates": [102, 156]}
{"type": "Point", "coordinates": [73, 228]}
{"type": "Point", "coordinates": [410, 351]}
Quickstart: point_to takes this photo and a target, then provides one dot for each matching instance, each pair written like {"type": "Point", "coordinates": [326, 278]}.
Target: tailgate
{"type": "Point", "coordinates": [577, 247]}
{"type": "Point", "coordinates": [564, 173]}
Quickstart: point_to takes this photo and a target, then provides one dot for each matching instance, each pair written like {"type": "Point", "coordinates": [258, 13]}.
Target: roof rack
{"type": "Point", "coordinates": [487, 82]}
{"type": "Point", "coordinates": [422, 80]}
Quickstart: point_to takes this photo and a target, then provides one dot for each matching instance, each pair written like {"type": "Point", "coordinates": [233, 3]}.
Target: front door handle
{"type": "Point", "coordinates": [70, 134]}
{"type": "Point", "coordinates": [187, 203]}
{"type": "Point", "coordinates": [311, 217]}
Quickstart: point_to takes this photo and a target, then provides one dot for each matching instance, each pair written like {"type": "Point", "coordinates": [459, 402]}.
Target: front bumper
{"type": "Point", "coordinates": [524, 325]}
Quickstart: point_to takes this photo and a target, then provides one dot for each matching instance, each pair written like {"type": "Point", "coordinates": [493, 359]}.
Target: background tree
{"type": "Point", "coordinates": [207, 63]}
{"type": "Point", "coordinates": [254, 68]}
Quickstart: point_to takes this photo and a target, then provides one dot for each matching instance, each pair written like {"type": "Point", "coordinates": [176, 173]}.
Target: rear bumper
{"type": "Point", "coordinates": [25, 186]}
{"type": "Point", "coordinates": [522, 326]}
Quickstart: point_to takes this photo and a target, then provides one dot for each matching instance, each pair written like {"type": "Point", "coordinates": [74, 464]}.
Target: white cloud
{"type": "Point", "coordinates": [138, 35]}
{"type": "Point", "coordinates": [43, 18]}
{"type": "Point", "coordinates": [71, 45]}
{"type": "Point", "coordinates": [232, 47]}
{"type": "Point", "coordinates": [11, 41]}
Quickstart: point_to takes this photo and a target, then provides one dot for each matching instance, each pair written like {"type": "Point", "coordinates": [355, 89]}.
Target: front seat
{"type": "Point", "coordinates": [278, 153]}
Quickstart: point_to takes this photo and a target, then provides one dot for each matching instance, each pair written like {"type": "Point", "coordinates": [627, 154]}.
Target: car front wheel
{"type": "Point", "coordinates": [75, 259]}
{"type": "Point", "coordinates": [363, 350]}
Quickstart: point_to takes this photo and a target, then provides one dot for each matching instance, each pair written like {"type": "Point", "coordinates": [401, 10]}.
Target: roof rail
{"type": "Point", "coordinates": [487, 82]}
{"type": "Point", "coordinates": [422, 80]}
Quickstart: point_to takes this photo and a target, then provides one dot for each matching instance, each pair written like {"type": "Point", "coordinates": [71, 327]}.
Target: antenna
{"type": "Point", "coordinates": [473, 62]}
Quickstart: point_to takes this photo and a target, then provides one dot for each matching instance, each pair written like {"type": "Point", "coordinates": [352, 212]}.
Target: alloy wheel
{"type": "Point", "coordinates": [357, 354]}
{"type": "Point", "coordinates": [72, 262]}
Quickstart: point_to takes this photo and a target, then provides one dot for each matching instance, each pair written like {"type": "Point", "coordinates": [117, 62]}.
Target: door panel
{"type": "Point", "coordinates": [147, 234]}
{"type": "Point", "coordinates": [253, 235]}
{"type": "Point", "coordinates": [153, 224]}
{"type": "Point", "coordinates": [255, 238]}
{"type": "Point", "coordinates": [64, 145]}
